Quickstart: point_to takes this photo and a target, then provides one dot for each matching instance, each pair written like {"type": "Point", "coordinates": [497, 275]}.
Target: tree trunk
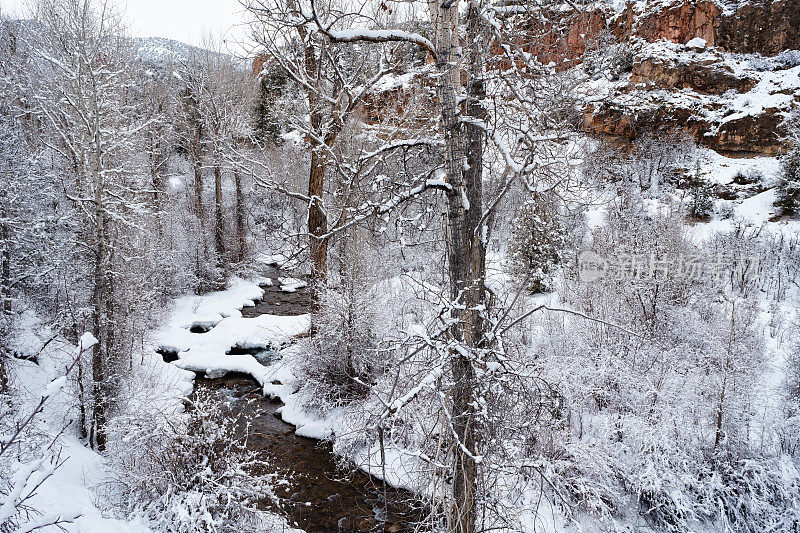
{"type": "Point", "coordinates": [3, 378]}
{"type": "Point", "coordinates": [5, 258]}
{"type": "Point", "coordinates": [241, 235]}
{"type": "Point", "coordinates": [197, 155]}
{"type": "Point", "coordinates": [82, 421]}
{"type": "Point", "coordinates": [317, 226]}
{"type": "Point", "coordinates": [100, 327]}
{"type": "Point", "coordinates": [158, 186]}
{"type": "Point", "coordinates": [466, 253]}
{"type": "Point", "coordinates": [102, 300]}
{"type": "Point", "coordinates": [219, 226]}
{"type": "Point", "coordinates": [317, 219]}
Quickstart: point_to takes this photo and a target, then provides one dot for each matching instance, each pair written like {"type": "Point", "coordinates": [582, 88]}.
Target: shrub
{"type": "Point", "coordinates": [343, 360]}
{"type": "Point", "coordinates": [190, 475]}
{"type": "Point", "coordinates": [702, 204]}
{"type": "Point", "coordinates": [748, 176]}
{"type": "Point", "coordinates": [725, 211]}
{"type": "Point", "coordinates": [610, 58]}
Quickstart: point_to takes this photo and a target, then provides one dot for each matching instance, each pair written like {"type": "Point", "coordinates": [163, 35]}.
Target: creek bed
{"type": "Point", "coordinates": [314, 493]}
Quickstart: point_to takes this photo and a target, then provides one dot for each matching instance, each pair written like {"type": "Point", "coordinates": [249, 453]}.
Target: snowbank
{"type": "Point", "coordinates": [220, 311]}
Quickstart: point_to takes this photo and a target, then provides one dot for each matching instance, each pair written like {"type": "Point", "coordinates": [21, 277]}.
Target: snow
{"type": "Point", "coordinates": [720, 169]}
{"type": "Point", "coordinates": [54, 386]}
{"type": "Point", "coordinates": [776, 88]}
{"type": "Point", "coordinates": [72, 488]}
{"type": "Point", "coordinates": [207, 352]}
{"type": "Point", "coordinates": [291, 284]}
{"type": "Point", "coordinates": [86, 341]}
{"type": "Point", "coordinates": [380, 35]}
{"type": "Point", "coordinates": [70, 491]}
{"type": "Point", "coordinates": [278, 259]}
{"type": "Point", "coordinates": [395, 81]}
{"type": "Point", "coordinates": [697, 42]}
{"type": "Point", "coordinates": [295, 137]}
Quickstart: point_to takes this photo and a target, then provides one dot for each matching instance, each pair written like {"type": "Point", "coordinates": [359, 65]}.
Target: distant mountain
{"type": "Point", "coordinates": [161, 52]}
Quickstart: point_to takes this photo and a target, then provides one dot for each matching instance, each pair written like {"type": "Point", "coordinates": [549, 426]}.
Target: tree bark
{"type": "Point", "coordinates": [157, 181]}
{"type": "Point", "coordinates": [241, 235]}
{"type": "Point", "coordinates": [317, 219]}
{"type": "Point", "coordinates": [466, 253]}
{"type": "Point", "coordinates": [101, 304]}
{"type": "Point", "coordinates": [197, 155]}
{"type": "Point", "coordinates": [219, 226]}
{"type": "Point", "coordinates": [102, 291]}
{"type": "Point", "coordinates": [317, 226]}
{"type": "Point", "coordinates": [5, 257]}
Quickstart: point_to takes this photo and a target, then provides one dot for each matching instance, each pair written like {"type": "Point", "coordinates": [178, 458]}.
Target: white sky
{"type": "Point", "coordinates": [184, 20]}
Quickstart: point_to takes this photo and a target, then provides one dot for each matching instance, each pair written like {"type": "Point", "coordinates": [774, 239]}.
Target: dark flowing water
{"type": "Point", "coordinates": [319, 497]}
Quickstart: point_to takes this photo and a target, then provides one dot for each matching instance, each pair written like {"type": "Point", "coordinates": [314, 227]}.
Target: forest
{"type": "Point", "coordinates": [405, 266]}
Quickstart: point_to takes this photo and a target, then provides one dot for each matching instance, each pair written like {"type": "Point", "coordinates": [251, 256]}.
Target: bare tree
{"type": "Point", "coordinates": [334, 78]}
{"type": "Point", "coordinates": [526, 137]}
{"type": "Point", "coordinates": [83, 62]}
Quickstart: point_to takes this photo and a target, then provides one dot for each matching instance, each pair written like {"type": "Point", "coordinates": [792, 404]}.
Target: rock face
{"type": "Point", "coordinates": [765, 27]}
{"type": "Point", "coordinates": [677, 23]}
{"type": "Point", "coordinates": [731, 103]}
{"type": "Point", "coordinates": [748, 134]}
{"type": "Point", "coordinates": [745, 135]}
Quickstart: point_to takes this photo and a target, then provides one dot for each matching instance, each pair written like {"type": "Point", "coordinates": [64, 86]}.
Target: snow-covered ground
{"type": "Point", "coordinates": [201, 330]}
{"type": "Point", "coordinates": [76, 488]}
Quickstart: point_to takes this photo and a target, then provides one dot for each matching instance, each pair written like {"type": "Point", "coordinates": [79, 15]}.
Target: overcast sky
{"type": "Point", "coordinates": [184, 20]}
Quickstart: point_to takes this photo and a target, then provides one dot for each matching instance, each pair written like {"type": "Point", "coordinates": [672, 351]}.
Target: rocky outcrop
{"type": "Point", "coordinates": [736, 103]}
{"type": "Point", "coordinates": [748, 134]}
{"type": "Point", "coordinates": [678, 23]}
{"type": "Point", "coordinates": [706, 75]}
{"type": "Point", "coordinates": [765, 27]}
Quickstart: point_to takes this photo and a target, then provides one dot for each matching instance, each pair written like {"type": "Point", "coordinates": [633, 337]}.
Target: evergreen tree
{"type": "Point", "coordinates": [538, 237]}
{"type": "Point", "coordinates": [789, 187]}
{"type": "Point", "coordinates": [702, 204]}
{"type": "Point", "coordinates": [272, 84]}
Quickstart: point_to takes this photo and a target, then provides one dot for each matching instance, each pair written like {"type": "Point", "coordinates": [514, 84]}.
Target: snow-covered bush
{"type": "Point", "coordinates": [343, 358]}
{"type": "Point", "coordinates": [753, 493]}
{"type": "Point", "coordinates": [702, 205]}
{"type": "Point", "coordinates": [537, 241]}
{"type": "Point", "coordinates": [610, 58]}
{"type": "Point", "coordinates": [787, 59]}
{"type": "Point", "coordinates": [660, 387]}
{"type": "Point", "coordinates": [661, 158]}
{"type": "Point", "coordinates": [272, 83]}
{"type": "Point", "coordinates": [188, 475]}
{"type": "Point", "coordinates": [725, 210]}
{"type": "Point", "coordinates": [748, 176]}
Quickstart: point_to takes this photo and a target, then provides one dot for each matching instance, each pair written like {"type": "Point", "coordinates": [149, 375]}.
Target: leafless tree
{"type": "Point", "coordinates": [82, 62]}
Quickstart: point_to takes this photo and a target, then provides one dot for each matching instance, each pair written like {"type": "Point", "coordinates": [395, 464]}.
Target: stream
{"type": "Point", "coordinates": [317, 495]}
